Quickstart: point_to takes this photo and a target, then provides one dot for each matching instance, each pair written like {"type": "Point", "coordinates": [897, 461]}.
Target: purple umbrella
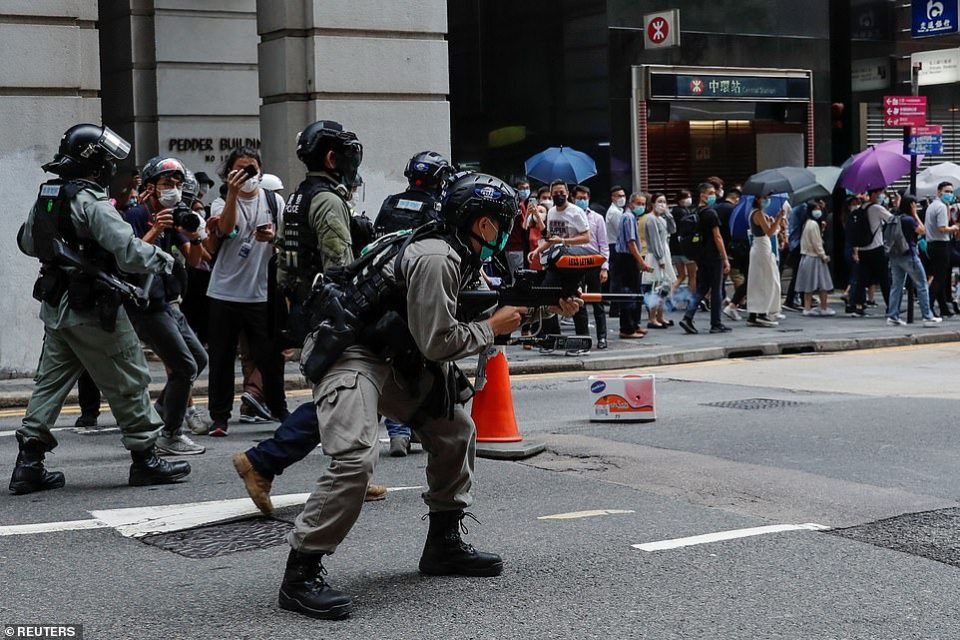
{"type": "Point", "coordinates": [878, 166]}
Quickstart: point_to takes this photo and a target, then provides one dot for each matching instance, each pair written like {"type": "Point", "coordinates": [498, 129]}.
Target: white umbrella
{"type": "Point", "coordinates": [930, 177]}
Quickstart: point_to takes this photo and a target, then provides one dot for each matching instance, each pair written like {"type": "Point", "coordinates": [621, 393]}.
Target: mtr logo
{"type": "Point", "coordinates": [657, 30]}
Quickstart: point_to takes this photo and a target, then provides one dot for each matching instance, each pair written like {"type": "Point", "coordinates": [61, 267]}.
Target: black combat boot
{"type": "Point", "coordinates": [305, 591]}
{"type": "Point", "coordinates": [445, 553]}
{"type": "Point", "coordinates": [148, 468]}
{"type": "Point", "coordinates": [29, 474]}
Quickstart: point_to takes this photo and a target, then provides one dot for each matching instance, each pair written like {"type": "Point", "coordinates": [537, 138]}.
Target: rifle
{"type": "Point", "coordinates": [64, 256]}
{"type": "Point", "coordinates": [565, 266]}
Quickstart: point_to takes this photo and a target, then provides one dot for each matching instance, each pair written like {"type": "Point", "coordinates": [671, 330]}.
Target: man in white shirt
{"type": "Point", "coordinates": [939, 231]}
{"type": "Point", "coordinates": [874, 268]}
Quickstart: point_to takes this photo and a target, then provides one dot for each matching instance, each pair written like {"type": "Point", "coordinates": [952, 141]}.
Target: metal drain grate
{"type": "Point", "coordinates": [750, 404]}
{"type": "Point", "coordinates": [934, 535]}
{"type": "Point", "coordinates": [223, 539]}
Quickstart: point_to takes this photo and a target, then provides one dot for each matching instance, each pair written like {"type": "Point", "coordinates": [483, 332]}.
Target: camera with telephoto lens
{"type": "Point", "coordinates": [185, 217]}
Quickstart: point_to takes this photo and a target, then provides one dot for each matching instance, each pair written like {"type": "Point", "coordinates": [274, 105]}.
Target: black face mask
{"type": "Point", "coordinates": [559, 199]}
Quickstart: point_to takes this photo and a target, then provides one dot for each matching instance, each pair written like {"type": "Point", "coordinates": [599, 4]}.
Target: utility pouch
{"type": "Point", "coordinates": [336, 331]}
{"type": "Point", "coordinates": [50, 286]}
{"type": "Point", "coordinates": [108, 304]}
{"type": "Point", "coordinates": [80, 291]}
{"type": "Point", "coordinates": [391, 338]}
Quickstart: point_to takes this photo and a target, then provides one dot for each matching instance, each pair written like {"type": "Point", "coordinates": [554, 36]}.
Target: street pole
{"type": "Point", "coordinates": [915, 91]}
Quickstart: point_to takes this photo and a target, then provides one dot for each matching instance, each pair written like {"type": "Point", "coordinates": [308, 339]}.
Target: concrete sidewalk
{"type": "Point", "coordinates": [796, 334]}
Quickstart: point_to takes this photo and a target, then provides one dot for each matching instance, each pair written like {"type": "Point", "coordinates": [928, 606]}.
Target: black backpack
{"type": "Point", "coordinates": [688, 234]}
{"type": "Point", "coordinates": [858, 231]}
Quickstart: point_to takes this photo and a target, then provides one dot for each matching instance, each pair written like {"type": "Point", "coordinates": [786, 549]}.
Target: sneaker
{"type": "Point", "coordinates": [257, 407]}
{"type": "Point", "coordinates": [399, 446]}
{"type": "Point", "coordinates": [827, 312]}
{"type": "Point", "coordinates": [218, 429]}
{"type": "Point", "coordinates": [687, 325]}
{"type": "Point", "coordinates": [763, 321]}
{"type": "Point", "coordinates": [871, 303]}
{"type": "Point", "coordinates": [731, 312]}
{"type": "Point", "coordinates": [792, 306]}
{"type": "Point", "coordinates": [197, 422]}
{"type": "Point", "coordinates": [811, 312]}
{"type": "Point", "coordinates": [178, 445]}
{"type": "Point", "coordinates": [251, 418]}
{"type": "Point", "coordinates": [932, 322]}
{"type": "Point", "coordinates": [720, 328]}
{"type": "Point", "coordinates": [895, 322]}
{"type": "Point", "coordinates": [779, 316]}
{"type": "Point", "coordinates": [857, 313]}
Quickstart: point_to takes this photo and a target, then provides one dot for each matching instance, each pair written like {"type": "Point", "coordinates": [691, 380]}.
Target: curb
{"type": "Point", "coordinates": [632, 360]}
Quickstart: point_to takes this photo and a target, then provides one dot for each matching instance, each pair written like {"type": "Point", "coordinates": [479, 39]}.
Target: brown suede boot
{"type": "Point", "coordinates": [257, 486]}
{"type": "Point", "coordinates": [375, 492]}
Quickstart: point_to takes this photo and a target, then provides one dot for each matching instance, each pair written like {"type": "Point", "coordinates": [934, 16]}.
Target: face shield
{"type": "Point", "coordinates": [348, 162]}
{"type": "Point", "coordinates": [115, 146]}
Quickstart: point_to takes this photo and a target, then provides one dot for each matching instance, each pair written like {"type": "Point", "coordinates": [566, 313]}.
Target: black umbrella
{"type": "Point", "coordinates": [782, 180]}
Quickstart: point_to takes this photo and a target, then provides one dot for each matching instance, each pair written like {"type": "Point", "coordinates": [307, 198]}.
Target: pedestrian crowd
{"type": "Point", "coordinates": [716, 250]}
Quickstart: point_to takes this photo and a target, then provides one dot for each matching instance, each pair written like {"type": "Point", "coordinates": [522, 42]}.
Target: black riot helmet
{"type": "Point", "coordinates": [428, 170]}
{"type": "Point", "coordinates": [88, 150]}
{"type": "Point", "coordinates": [472, 195]}
{"type": "Point", "coordinates": [323, 136]}
{"type": "Point", "coordinates": [160, 166]}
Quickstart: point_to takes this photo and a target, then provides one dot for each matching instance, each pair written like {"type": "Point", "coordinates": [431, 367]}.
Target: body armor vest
{"type": "Point", "coordinates": [408, 210]}
{"type": "Point", "coordinates": [299, 248]}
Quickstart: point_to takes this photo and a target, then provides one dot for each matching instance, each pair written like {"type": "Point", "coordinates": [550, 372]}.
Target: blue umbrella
{"type": "Point", "coordinates": [561, 163]}
{"type": "Point", "coordinates": [740, 216]}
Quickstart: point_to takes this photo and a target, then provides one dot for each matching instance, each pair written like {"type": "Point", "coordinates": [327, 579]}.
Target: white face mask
{"type": "Point", "coordinates": [251, 185]}
{"type": "Point", "coordinates": [169, 197]}
{"type": "Point", "coordinates": [620, 202]}
{"type": "Point", "coordinates": [686, 202]}
{"type": "Point", "coordinates": [660, 207]}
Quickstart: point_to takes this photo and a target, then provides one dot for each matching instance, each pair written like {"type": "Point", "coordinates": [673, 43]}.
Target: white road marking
{"type": "Point", "coordinates": [49, 527]}
{"type": "Point", "coordinates": [585, 514]}
{"type": "Point", "coordinates": [137, 522]}
{"type": "Point", "coordinates": [726, 535]}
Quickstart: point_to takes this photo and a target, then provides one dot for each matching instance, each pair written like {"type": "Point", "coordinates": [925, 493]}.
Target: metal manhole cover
{"type": "Point", "coordinates": [750, 404]}
{"type": "Point", "coordinates": [221, 539]}
{"type": "Point", "coordinates": [934, 535]}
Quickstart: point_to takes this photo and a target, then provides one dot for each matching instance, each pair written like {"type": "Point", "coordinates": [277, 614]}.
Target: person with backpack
{"type": "Point", "coordinates": [247, 221]}
{"type": "Point", "coordinates": [700, 238]}
{"type": "Point", "coordinates": [813, 274]}
{"type": "Point", "coordinates": [900, 236]}
{"type": "Point", "coordinates": [864, 231]}
{"type": "Point", "coordinates": [685, 266]}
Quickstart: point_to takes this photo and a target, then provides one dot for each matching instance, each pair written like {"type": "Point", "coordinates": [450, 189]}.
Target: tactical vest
{"type": "Point", "coordinates": [298, 246]}
{"type": "Point", "coordinates": [408, 210]}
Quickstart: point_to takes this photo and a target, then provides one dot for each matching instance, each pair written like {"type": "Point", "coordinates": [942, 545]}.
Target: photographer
{"type": "Point", "coordinates": [164, 221]}
{"type": "Point", "coordinates": [246, 226]}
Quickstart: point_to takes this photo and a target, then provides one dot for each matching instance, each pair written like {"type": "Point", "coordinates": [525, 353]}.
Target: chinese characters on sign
{"type": "Point", "coordinates": [934, 17]}
{"type": "Point", "coordinates": [925, 141]}
{"type": "Point", "coordinates": [904, 111]}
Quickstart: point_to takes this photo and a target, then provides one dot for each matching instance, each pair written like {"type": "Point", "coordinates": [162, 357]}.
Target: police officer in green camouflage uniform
{"type": "Point", "coordinates": [85, 326]}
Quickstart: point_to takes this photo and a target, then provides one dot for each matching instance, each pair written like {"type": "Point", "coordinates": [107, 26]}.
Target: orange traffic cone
{"type": "Point", "coordinates": [497, 433]}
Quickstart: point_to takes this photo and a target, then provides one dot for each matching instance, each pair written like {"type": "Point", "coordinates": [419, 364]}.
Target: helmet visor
{"type": "Point", "coordinates": [114, 145]}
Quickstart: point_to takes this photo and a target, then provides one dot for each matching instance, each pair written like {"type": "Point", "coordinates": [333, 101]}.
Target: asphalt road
{"type": "Point", "coordinates": [851, 439]}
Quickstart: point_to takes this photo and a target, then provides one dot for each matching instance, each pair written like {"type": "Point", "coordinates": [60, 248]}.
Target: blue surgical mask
{"type": "Point", "coordinates": [882, 201]}
{"type": "Point", "coordinates": [948, 197]}
{"type": "Point", "coordinates": [523, 194]}
{"type": "Point", "coordinates": [816, 214]}
{"type": "Point", "coordinates": [711, 200]}
{"type": "Point", "coordinates": [639, 210]}
{"type": "Point", "coordinates": [583, 204]}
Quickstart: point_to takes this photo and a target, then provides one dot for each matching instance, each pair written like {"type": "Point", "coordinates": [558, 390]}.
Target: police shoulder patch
{"type": "Point", "coordinates": [409, 205]}
{"type": "Point", "coordinates": [49, 191]}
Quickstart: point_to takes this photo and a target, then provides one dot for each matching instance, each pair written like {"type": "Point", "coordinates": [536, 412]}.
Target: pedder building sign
{"type": "Point", "coordinates": [212, 148]}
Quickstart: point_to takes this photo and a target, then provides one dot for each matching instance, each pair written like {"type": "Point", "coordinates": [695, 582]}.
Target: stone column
{"type": "Point", "coordinates": [49, 81]}
{"type": "Point", "coordinates": [379, 68]}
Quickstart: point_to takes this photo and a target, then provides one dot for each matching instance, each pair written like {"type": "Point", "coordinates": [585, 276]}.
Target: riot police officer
{"type": "Point", "coordinates": [85, 326]}
{"type": "Point", "coordinates": [427, 173]}
{"type": "Point", "coordinates": [403, 293]}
